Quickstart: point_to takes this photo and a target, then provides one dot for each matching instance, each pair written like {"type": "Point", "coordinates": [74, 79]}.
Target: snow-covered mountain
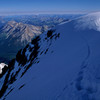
{"type": "Point", "coordinates": [61, 64]}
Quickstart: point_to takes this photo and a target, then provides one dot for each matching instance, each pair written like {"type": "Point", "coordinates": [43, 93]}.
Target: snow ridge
{"type": "Point", "coordinates": [64, 64]}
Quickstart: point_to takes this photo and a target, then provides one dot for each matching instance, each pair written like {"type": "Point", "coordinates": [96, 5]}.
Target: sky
{"type": "Point", "coordinates": [50, 6]}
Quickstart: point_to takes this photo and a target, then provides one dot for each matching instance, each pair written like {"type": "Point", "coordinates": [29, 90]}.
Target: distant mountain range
{"type": "Point", "coordinates": [19, 33]}
{"type": "Point", "coordinates": [14, 36]}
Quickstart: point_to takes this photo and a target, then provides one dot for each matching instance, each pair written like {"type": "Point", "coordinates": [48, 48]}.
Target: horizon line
{"type": "Point", "coordinates": [9, 13]}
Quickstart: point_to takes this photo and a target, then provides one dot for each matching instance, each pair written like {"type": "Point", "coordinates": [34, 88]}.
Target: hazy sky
{"type": "Point", "coordinates": [48, 5]}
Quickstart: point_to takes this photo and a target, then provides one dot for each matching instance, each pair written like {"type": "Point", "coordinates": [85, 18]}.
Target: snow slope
{"type": "Point", "coordinates": [61, 64]}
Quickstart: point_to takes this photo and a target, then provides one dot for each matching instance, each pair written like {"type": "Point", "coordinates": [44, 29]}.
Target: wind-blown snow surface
{"type": "Point", "coordinates": [90, 21]}
{"type": "Point", "coordinates": [61, 64]}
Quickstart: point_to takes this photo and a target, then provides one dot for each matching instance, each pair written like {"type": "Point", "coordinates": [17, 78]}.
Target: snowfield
{"type": "Point", "coordinates": [61, 64]}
